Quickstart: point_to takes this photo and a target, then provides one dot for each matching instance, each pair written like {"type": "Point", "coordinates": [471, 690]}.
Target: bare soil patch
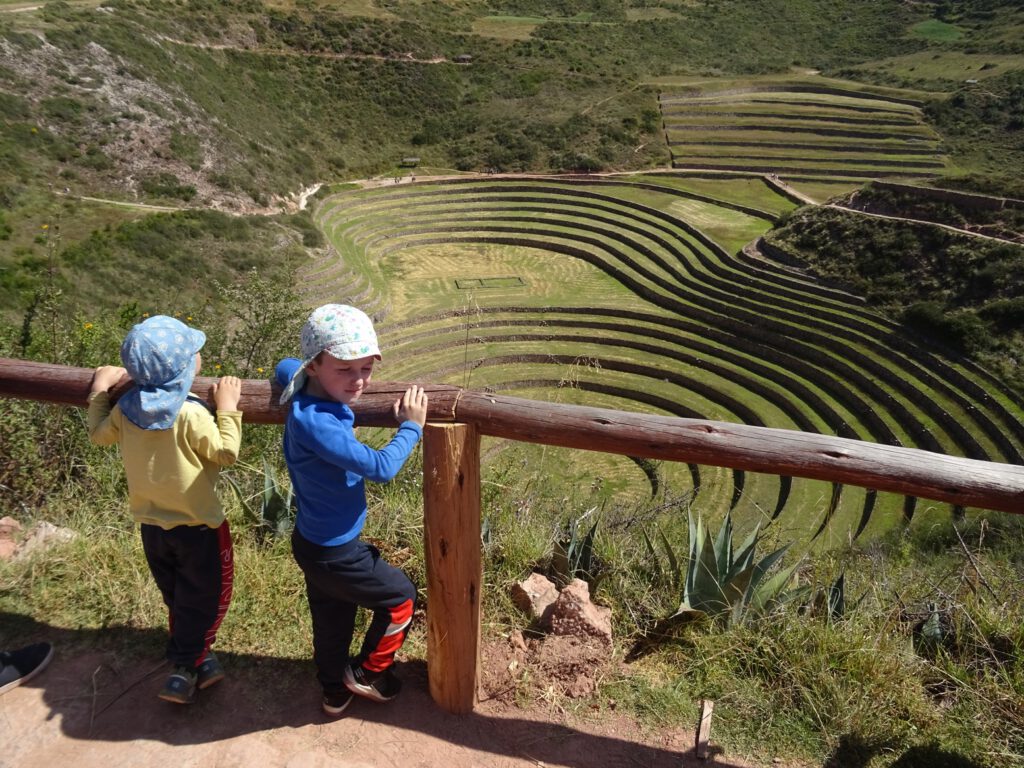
{"type": "Point", "coordinates": [96, 707]}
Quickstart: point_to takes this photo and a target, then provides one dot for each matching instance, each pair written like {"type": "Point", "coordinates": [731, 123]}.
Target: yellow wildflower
{"type": "Point", "coordinates": [88, 326]}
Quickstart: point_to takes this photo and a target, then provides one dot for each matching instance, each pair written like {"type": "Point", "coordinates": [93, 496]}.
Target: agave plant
{"type": "Point", "coordinates": [277, 510]}
{"type": "Point", "coordinates": [727, 584]}
{"type": "Point", "coordinates": [574, 557]}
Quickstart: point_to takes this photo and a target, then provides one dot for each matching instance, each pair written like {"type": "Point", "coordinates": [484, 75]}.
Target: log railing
{"type": "Point", "coordinates": [451, 466]}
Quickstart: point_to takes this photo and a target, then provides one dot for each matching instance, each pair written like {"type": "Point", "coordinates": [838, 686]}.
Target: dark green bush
{"type": "Point", "coordinates": [963, 331]}
{"type": "Point", "coordinates": [165, 184]}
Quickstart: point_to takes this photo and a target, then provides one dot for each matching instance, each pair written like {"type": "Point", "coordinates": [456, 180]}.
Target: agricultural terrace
{"type": "Point", "coordinates": [826, 128]}
{"type": "Point", "coordinates": [603, 292]}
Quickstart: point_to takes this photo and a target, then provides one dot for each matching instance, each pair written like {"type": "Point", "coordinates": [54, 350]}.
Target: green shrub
{"type": "Point", "coordinates": [165, 184]}
{"type": "Point", "coordinates": [186, 147]}
{"type": "Point", "coordinates": [276, 515]}
{"type": "Point", "coordinates": [63, 108]}
{"type": "Point", "coordinates": [963, 331]}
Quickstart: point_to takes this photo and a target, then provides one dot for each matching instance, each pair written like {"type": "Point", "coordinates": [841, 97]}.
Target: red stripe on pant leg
{"type": "Point", "coordinates": [383, 655]}
{"type": "Point", "coordinates": [227, 582]}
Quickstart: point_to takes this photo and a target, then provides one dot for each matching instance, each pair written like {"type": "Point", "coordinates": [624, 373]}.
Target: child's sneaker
{"type": "Point", "coordinates": [20, 666]}
{"type": "Point", "coordinates": [180, 687]}
{"type": "Point", "coordinates": [336, 703]}
{"type": "Point", "coordinates": [379, 686]}
{"type": "Point", "coordinates": [209, 672]}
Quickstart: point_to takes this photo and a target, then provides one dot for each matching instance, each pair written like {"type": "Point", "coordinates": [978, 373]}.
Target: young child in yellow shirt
{"type": "Point", "coordinates": [173, 449]}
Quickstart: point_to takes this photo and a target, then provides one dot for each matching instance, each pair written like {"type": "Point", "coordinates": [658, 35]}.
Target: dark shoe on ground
{"type": "Point", "coordinates": [209, 672]}
{"type": "Point", "coordinates": [336, 703]}
{"type": "Point", "coordinates": [180, 687]}
{"type": "Point", "coordinates": [20, 666]}
{"type": "Point", "coordinates": [379, 686]}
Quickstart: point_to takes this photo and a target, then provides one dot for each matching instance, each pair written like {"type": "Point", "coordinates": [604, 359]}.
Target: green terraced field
{"type": "Point", "coordinates": [793, 128]}
{"type": "Point", "coordinates": [611, 292]}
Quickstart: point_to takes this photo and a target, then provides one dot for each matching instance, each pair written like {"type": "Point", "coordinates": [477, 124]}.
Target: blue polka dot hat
{"type": "Point", "coordinates": [159, 355]}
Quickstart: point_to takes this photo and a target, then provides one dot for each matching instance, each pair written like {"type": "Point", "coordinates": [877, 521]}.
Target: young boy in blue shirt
{"type": "Point", "coordinates": [328, 465]}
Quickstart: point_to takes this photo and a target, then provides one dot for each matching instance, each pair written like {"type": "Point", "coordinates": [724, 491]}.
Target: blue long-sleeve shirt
{"type": "Point", "coordinates": [327, 464]}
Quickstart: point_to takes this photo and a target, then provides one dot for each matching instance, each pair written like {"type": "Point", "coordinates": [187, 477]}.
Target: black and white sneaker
{"type": "Point", "coordinates": [336, 703]}
{"type": "Point", "coordinates": [20, 666]}
{"type": "Point", "coordinates": [379, 686]}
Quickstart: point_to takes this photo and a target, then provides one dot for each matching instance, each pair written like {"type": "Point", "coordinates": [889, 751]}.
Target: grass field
{"type": "Point", "coordinates": [937, 31]}
{"type": "Point", "coordinates": [521, 286]}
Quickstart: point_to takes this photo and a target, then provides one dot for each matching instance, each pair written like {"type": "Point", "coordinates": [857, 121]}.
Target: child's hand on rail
{"type": "Point", "coordinates": [105, 377]}
{"type": "Point", "coordinates": [412, 406]}
{"type": "Point", "coordinates": [226, 393]}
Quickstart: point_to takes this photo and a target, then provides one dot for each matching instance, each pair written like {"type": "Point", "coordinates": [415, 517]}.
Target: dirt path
{"type": "Point", "coordinates": [125, 204]}
{"type": "Point", "coordinates": [97, 708]}
{"type": "Point", "coordinates": [407, 58]}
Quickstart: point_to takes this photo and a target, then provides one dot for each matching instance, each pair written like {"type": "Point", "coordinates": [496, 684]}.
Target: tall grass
{"type": "Point", "coordinates": [855, 691]}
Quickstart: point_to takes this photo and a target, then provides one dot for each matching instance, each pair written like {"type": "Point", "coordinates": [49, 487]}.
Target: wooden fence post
{"type": "Point", "coordinates": [451, 533]}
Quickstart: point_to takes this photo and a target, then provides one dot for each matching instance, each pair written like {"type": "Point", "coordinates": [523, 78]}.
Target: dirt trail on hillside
{"type": "Point", "coordinates": [406, 58]}
{"type": "Point", "coordinates": [97, 708]}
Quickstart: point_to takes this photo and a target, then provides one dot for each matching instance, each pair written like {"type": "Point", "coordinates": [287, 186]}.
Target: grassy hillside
{"type": "Point", "coordinates": [239, 105]}
{"type": "Point", "coordinates": [171, 262]}
{"type": "Point", "coordinates": [242, 104]}
{"type": "Point", "coordinates": [238, 99]}
{"type": "Point", "coordinates": [962, 40]}
{"type": "Point", "coordinates": [983, 125]}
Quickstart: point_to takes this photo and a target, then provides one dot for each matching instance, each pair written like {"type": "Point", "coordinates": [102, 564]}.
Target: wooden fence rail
{"type": "Point", "coordinates": [451, 503]}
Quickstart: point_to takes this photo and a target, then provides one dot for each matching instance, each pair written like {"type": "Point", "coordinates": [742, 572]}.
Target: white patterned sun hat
{"type": "Point", "coordinates": [159, 355]}
{"type": "Point", "coordinates": [343, 332]}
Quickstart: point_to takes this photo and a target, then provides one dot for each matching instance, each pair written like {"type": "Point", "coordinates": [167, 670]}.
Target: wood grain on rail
{"type": "Point", "coordinates": [909, 471]}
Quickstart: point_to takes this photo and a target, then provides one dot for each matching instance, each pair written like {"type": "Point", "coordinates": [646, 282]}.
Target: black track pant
{"type": "Point", "coordinates": [193, 566]}
{"type": "Point", "coordinates": [338, 581]}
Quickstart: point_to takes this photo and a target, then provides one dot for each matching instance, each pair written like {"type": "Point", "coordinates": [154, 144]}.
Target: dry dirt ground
{"type": "Point", "coordinates": [96, 707]}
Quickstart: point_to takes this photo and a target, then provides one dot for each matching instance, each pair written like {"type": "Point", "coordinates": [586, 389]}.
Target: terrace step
{"type": "Point", "coordinates": [810, 351]}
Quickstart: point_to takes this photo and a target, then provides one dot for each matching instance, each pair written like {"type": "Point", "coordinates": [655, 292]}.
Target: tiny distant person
{"type": "Point", "coordinates": [328, 465]}
{"type": "Point", "coordinates": [20, 666]}
{"type": "Point", "coordinates": [173, 448]}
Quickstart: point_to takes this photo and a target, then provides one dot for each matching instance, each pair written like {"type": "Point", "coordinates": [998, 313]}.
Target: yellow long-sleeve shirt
{"type": "Point", "coordinates": [172, 473]}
